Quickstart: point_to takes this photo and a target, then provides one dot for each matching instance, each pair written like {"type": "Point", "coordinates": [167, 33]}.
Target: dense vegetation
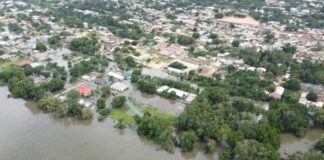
{"type": "Point", "coordinates": [309, 72]}
{"type": "Point", "coordinates": [22, 86]}
{"type": "Point", "coordinates": [86, 66]}
{"type": "Point", "coordinates": [86, 45]}
{"type": "Point", "coordinates": [177, 65]}
{"type": "Point", "coordinates": [275, 61]}
{"type": "Point", "coordinates": [104, 12]}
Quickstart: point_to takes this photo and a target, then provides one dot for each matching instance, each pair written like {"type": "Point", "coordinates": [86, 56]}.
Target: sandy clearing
{"type": "Point", "coordinates": [247, 20]}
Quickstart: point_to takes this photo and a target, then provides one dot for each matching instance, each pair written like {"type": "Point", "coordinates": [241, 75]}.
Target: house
{"type": "Point", "coordinates": [24, 63]}
{"type": "Point", "coordinates": [100, 81]}
{"type": "Point", "coordinates": [7, 21]}
{"type": "Point", "coordinates": [115, 75]}
{"type": "Point", "coordinates": [175, 70]}
{"type": "Point", "coordinates": [8, 57]}
{"type": "Point", "coordinates": [38, 79]}
{"type": "Point", "coordinates": [277, 94]}
{"type": "Point", "coordinates": [34, 65]}
{"type": "Point", "coordinates": [119, 87]}
{"type": "Point", "coordinates": [85, 91]}
{"type": "Point", "coordinates": [261, 70]}
{"type": "Point", "coordinates": [179, 93]}
{"type": "Point", "coordinates": [40, 56]}
{"type": "Point", "coordinates": [190, 98]}
{"type": "Point", "coordinates": [162, 89]}
{"type": "Point", "coordinates": [88, 78]}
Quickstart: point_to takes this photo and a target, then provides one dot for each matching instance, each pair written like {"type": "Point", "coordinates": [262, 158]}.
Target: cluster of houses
{"type": "Point", "coordinates": [112, 79]}
{"type": "Point", "coordinates": [249, 35]}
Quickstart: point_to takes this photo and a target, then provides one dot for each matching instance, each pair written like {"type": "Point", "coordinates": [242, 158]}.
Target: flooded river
{"type": "Point", "coordinates": [294, 144]}
{"type": "Point", "coordinates": [26, 133]}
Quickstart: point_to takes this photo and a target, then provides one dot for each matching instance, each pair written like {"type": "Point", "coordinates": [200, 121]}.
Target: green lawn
{"type": "Point", "coordinates": [155, 112]}
{"type": "Point", "coordinates": [6, 65]}
{"type": "Point", "coordinates": [163, 59]}
{"type": "Point", "coordinates": [152, 51]}
{"type": "Point", "coordinates": [116, 114]}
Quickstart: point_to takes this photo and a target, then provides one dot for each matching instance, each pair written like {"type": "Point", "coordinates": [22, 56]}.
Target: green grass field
{"type": "Point", "coordinates": [116, 114]}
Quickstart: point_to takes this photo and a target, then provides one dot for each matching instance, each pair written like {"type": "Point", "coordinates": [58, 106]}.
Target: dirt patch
{"type": "Point", "coordinates": [155, 65]}
{"type": "Point", "coordinates": [245, 21]}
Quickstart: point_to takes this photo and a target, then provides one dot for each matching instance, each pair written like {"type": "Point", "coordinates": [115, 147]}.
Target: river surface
{"type": "Point", "coordinates": [26, 133]}
{"type": "Point", "coordinates": [294, 144]}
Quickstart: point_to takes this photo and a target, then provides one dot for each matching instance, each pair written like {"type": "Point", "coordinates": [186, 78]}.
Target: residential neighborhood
{"type": "Point", "coordinates": [211, 78]}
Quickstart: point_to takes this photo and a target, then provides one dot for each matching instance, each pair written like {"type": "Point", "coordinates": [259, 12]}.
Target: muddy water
{"type": "Point", "coordinates": [294, 144]}
{"type": "Point", "coordinates": [28, 134]}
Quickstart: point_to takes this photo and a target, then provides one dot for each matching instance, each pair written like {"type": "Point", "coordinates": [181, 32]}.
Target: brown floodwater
{"type": "Point", "coordinates": [294, 144]}
{"type": "Point", "coordinates": [26, 133]}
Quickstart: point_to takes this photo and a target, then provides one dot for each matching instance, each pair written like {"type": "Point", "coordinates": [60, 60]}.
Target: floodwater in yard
{"type": "Point", "coordinates": [294, 144]}
{"type": "Point", "coordinates": [165, 105]}
{"type": "Point", "coordinates": [26, 133]}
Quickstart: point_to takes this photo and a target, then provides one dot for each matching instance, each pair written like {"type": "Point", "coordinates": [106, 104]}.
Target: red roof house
{"type": "Point", "coordinates": [275, 95]}
{"type": "Point", "coordinates": [306, 37]}
{"type": "Point", "coordinates": [24, 63]}
{"type": "Point", "coordinates": [85, 91]}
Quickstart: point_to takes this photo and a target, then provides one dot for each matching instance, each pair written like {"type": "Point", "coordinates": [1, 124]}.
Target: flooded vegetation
{"type": "Point", "coordinates": [28, 133]}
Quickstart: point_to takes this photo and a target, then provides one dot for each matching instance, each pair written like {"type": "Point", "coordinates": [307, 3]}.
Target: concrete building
{"type": "Point", "coordinates": [119, 87]}
{"type": "Point", "coordinates": [115, 75]}
{"type": "Point", "coordinates": [8, 57]}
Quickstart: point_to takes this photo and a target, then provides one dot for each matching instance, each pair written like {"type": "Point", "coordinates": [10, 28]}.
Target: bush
{"type": "Point", "coordinates": [105, 91]}
{"type": "Point", "coordinates": [40, 46]}
{"type": "Point", "coordinates": [121, 124]}
{"type": "Point", "coordinates": [101, 103]}
{"type": "Point", "coordinates": [292, 84]}
{"type": "Point", "coordinates": [136, 75]}
{"type": "Point", "coordinates": [177, 65]}
{"type": "Point", "coordinates": [210, 146]}
{"type": "Point", "coordinates": [86, 114]}
{"type": "Point", "coordinates": [104, 113]}
{"type": "Point", "coordinates": [185, 40]}
{"type": "Point", "coordinates": [219, 15]}
{"type": "Point", "coordinates": [312, 96]}
{"type": "Point", "coordinates": [236, 43]}
{"type": "Point", "coordinates": [188, 141]}
{"type": "Point", "coordinates": [320, 145]}
{"type": "Point", "coordinates": [118, 101]}
{"type": "Point", "coordinates": [147, 86]}
{"type": "Point", "coordinates": [49, 104]}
